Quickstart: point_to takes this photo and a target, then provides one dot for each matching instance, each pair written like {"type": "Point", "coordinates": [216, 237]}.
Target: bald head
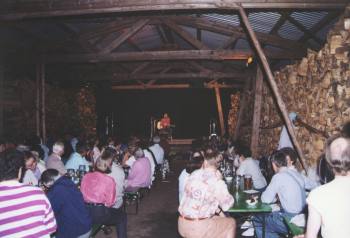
{"type": "Point", "coordinates": [338, 155]}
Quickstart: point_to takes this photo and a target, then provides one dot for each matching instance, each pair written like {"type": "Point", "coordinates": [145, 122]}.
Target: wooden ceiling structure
{"type": "Point", "coordinates": [199, 41]}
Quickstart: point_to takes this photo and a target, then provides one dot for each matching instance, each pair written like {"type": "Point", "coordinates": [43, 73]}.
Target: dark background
{"type": "Point", "coordinates": [190, 110]}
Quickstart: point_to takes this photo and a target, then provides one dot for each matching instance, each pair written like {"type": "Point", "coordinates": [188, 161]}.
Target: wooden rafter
{"type": "Point", "coordinates": [140, 67]}
{"type": "Point", "coordinates": [279, 24]}
{"type": "Point", "coordinates": [109, 46]}
{"type": "Point", "coordinates": [12, 10]}
{"type": "Point", "coordinates": [185, 35]}
{"type": "Point", "coordinates": [169, 86]}
{"type": "Point", "coordinates": [216, 55]}
{"type": "Point", "coordinates": [229, 44]}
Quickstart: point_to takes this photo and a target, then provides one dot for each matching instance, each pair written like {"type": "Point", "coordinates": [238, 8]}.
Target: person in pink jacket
{"type": "Point", "coordinates": [140, 173]}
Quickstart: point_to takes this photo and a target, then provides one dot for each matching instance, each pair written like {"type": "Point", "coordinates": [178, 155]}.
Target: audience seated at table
{"type": "Point", "coordinates": [32, 169]}
{"type": "Point", "coordinates": [290, 193]}
{"type": "Point", "coordinates": [99, 192]}
{"type": "Point", "coordinates": [77, 158]}
{"type": "Point", "coordinates": [54, 161]}
{"type": "Point", "coordinates": [195, 162]}
{"type": "Point", "coordinates": [140, 173]}
{"type": "Point", "coordinates": [250, 166]}
{"type": "Point", "coordinates": [72, 216]}
{"type": "Point", "coordinates": [22, 204]}
{"type": "Point", "coordinates": [205, 193]}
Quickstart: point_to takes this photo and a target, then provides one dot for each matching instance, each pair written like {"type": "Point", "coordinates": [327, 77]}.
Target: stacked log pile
{"type": "Point", "coordinates": [233, 113]}
{"type": "Point", "coordinates": [317, 88]}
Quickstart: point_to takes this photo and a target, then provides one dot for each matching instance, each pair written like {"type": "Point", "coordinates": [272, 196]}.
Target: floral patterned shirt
{"type": "Point", "coordinates": [204, 192]}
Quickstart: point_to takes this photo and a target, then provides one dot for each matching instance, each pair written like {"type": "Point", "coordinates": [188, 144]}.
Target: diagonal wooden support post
{"type": "Point", "coordinates": [221, 115]}
{"type": "Point", "coordinates": [272, 82]}
{"type": "Point", "coordinates": [257, 112]}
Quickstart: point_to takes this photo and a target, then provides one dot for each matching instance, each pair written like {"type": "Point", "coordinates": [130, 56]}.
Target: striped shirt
{"type": "Point", "coordinates": [25, 212]}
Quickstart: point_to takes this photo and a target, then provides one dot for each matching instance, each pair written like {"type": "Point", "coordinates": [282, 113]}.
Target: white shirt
{"type": "Point", "coordinates": [331, 200]}
{"type": "Point", "coordinates": [290, 193]}
{"type": "Point", "coordinates": [309, 183]}
{"type": "Point", "coordinates": [119, 178]}
{"type": "Point", "coordinates": [96, 153]}
{"type": "Point", "coordinates": [158, 153]}
{"type": "Point", "coordinates": [251, 166]}
{"type": "Point", "coordinates": [182, 182]}
{"type": "Point", "coordinates": [130, 161]}
{"type": "Point", "coordinates": [148, 155]}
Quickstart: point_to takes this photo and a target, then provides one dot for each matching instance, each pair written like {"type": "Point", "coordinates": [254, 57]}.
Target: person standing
{"type": "Point", "coordinates": [54, 161]}
{"type": "Point", "coordinates": [204, 198]}
{"type": "Point", "coordinates": [25, 211]}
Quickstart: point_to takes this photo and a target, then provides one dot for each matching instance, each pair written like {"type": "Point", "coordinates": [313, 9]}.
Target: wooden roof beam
{"type": "Point", "coordinates": [14, 10]}
{"type": "Point", "coordinates": [171, 86]}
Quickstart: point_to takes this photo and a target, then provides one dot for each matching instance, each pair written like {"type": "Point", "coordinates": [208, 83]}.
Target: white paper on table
{"type": "Point", "coordinates": [275, 207]}
{"type": "Point", "coordinates": [299, 220]}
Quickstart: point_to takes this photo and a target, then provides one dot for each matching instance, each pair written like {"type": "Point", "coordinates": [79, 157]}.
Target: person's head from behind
{"type": "Point", "coordinates": [58, 148]}
{"type": "Point", "coordinates": [49, 177]}
{"type": "Point", "coordinates": [338, 156]}
{"type": "Point", "coordinates": [156, 140]}
{"type": "Point", "coordinates": [165, 115]}
{"type": "Point", "coordinates": [11, 164]}
{"type": "Point", "coordinates": [194, 163]}
{"type": "Point", "coordinates": [139, 153]}
{"type": "Point", "coordinates": [104, 162]}
{"type": "Point", "coordinates": [211, 159]}
{"type": "Point", "coordinates": [278, 161]}
{"type": "Point", "coordinates": [291, 155]}
{"type": "Point", "coordinates": [242, 151]}
{"type": "Point", "coordinates": [29, 160]}
{"type": "Point", "coordinates": [82, 148]}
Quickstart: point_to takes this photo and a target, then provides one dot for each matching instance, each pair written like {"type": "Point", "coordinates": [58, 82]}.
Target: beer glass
{"type": "Point", "coordinates": [248, 182]}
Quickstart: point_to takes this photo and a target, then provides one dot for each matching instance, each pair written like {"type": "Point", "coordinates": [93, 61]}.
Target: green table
{"type": "Point", "coordinates": [240, 206]}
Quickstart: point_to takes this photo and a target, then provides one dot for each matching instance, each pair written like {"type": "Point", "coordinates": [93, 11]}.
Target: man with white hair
{"type": "Point", "coordinates": [157, 150]}
{"type": "Point", "coordinates": [54, 161]}
{"type": "Point", "coordinates": [329, 206]}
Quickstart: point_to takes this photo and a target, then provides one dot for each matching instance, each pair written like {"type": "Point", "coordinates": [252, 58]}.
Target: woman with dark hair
{"type": "Point", "coordinates": [99, 192]}
{"type": "Point", "coordinates": [194, 163]}
{"type": "Point", "coordinates": [73, 219]}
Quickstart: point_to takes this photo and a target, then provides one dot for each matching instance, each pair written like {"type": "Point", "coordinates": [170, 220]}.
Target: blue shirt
{"type": "Point", "coordinates": [289, 190]}
{"type": "Point", "coordinates": [75, 160]}
{"type": "Point", "coordinates": [73, 218]}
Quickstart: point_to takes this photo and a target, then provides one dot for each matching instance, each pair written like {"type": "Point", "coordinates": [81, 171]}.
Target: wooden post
{"type": "Point", "coordinates": [221, 115]}
{"type": "Point", "coordinates": [257, 112]}
{"type": "Point", "coordinates": [273, 85]}
{"type": "Point", "coordinates": [43, 103]}
{"type": "Point", "coordinates": [37, 99]}
{"type": "Point", "coordinates": [242, 105]}
{"type": "Point", "coordinates": [1, 100]}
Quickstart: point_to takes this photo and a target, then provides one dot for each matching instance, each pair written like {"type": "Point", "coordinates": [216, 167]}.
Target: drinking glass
{"type": "Point", "coordinates": [248, 182]}
{"type": "Point", "coordinates": [82, 167]}
{"type": "Point", "coordinates": [71, 173]}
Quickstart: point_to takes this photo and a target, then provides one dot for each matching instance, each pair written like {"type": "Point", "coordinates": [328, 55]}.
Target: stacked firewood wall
{"type": "Point", "coordinates": [317, 88]}
{"type": "Point", "coordinates": [233, 113]}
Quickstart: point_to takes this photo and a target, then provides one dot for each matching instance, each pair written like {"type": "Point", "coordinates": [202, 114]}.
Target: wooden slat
{"type": "Point", "coordinates": [166, 86]}
{"type": "Point", "coordinates": [257, 113]}
{"type": "Point", "coordinates": [13, 10]}
{"type": "Point", "coordinates": [280, 103]}
{"type": "Point", "coordinates": [108, 47]}
{"type": "Point", "coordinates": [221, 114]}
{"type": "Point", "coordinates": [185, 35]}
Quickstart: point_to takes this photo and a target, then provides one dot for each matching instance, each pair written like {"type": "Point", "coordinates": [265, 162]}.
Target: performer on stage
{"type": "Point", "coordinates": [165, 121]}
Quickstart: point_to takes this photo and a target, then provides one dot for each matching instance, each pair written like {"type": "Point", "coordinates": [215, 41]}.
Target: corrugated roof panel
{"type": "Point", "coordinates": [263, 21]}
{"type": "Point", "coordinates": [227, 19]}
{"type": "Point", "coordinates": [242, 44]}
{"type": "Point", "coordinates": [289, 31]}
{"type": "Point", "coordinates": [148, 38]}
{"type": "Point", "coordinates": [308, 19]}
{"type": "Point", "coordinates": [213, 40]}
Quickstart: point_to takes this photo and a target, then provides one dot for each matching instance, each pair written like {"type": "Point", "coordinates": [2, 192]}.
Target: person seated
{"type": "Point", "coordinates": [249, 166]}
{"type": "Point", "coordinates": [157, 150]}
{"type": "Point", "coordinates": [22, 204]}
{"type": "Point", "coordinates": [149, 155]}
{"type": "Point", "coordinates": [193, 164]}
{"type": "Point", "coordinates": [33, 169]}
{"type": "Point", "coordinates": [311, 181]}
{"type": "Point", "coordinates": [99, 192]}
{"type": "Point", "coordinates": [328, 205]}
{"type": "Point", "coordinates": [54, 161]}
{"type": "Point", "coordinates": [117, 173]}
{"type": "Point", "coordinates": [129, 158]}
{"type": "Point", "coordinates": [205, 196]}
{"type": "Point", "coordinates": [140, 173]}
{"type": "Point", "coordinates": [291, 195]}
{"type": "Point", "coordinates": [78, 158]}
{"type": "Point", "coordinates": [73, 218]}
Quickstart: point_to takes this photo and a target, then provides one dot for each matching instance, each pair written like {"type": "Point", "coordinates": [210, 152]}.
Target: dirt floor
{"type": "Point", "coordinates": [157, 216]}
